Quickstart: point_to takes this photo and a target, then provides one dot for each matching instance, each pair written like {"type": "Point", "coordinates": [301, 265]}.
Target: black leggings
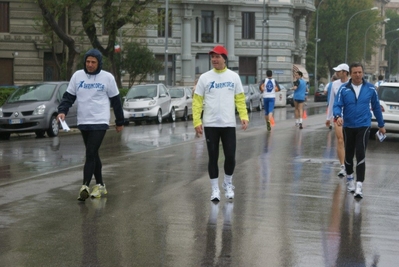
{"type": "Point", "coordinates": [356, 140]}
{"type": "Point", "coordinates": [92, 140]}
{"type": "Point", "coordinates": [228, 136]}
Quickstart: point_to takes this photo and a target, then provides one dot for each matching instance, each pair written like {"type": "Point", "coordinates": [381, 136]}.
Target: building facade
{"type": "Point", "coordinates": [258, 34]}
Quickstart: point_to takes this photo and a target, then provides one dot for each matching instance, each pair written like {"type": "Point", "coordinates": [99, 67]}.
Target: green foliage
{"type": "Point", "coordinates": [139, 61]}
{"type": "Point", "coordinates": [332, 29]}
{"type": "Point", "coordinates": [392, 37]}
{"type": "Point", "coordinates": [4, 94]}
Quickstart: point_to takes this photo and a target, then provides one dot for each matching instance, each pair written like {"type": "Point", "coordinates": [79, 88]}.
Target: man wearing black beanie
{"type": "Point", "coordinates": [94, 90]}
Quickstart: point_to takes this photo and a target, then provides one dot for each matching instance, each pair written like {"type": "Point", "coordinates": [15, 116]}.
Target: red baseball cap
{"type": "Point", "coordinates": [219, 49]}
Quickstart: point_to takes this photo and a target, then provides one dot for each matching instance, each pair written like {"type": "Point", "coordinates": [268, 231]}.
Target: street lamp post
{"type": "Point", "coordinates": [315, 49]}
{"type": "Point", "coordinates": [365, 36]}
{"type": "Point", "coordinates": [347, 29]}
{"type": "Point", "coordinates": [263, 39]}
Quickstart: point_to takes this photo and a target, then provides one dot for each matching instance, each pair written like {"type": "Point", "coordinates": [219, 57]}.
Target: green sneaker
{"type": "Point", "coordinates": [84, 193]}
{"type": "Point", "coordinates": [269, 128]}
{"type": "Point", "coordinates": [98, 190]}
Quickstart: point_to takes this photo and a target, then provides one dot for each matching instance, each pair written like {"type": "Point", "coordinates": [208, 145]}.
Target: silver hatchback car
{"type": "Point", "coordinates": [182, 101]}
{"type": "Point", "coordinates": [33, 108]}
{"type": "Point", "coordinates": [148, 102]}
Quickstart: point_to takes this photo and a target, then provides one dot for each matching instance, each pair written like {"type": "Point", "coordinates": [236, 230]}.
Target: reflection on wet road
{"type": "Point", "coordinates": [290, 207]}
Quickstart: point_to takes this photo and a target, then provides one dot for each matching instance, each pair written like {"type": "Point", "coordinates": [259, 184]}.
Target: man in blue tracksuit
{"type": "Point", "coordinates": [352, 110]}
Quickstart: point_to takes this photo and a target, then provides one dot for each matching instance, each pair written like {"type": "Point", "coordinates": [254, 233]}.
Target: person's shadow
{"type": "Point", "coordinates": [224, 258]}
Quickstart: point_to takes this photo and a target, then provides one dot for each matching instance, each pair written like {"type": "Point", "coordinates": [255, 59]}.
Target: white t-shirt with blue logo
{"type": "Point", "coordinates": [92, 96]}
{"type": "Point", "coordinates": [270, 88]}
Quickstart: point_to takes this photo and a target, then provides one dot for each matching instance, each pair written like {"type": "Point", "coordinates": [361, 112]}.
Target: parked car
{"type": "Point", "coordinates": [33, 108]}
{"type": "Point", "coordinates": [182, 101]}
{"type": "Point", "coordinates": [388, 94]}
{"type": "Point", "coordinates": [252, 97]}
{"type": "Point", "coordinates": [319, 95]}
{"type": "Point", "coordinates": [148, 102]}
{"type": "Point", "coordinates": [289, 94]}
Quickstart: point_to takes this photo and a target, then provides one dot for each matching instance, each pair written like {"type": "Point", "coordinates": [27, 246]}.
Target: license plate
{"type": "Point", "coordinates": [394, 107]}
{"type": "Point", "coordinates": [15, 121]}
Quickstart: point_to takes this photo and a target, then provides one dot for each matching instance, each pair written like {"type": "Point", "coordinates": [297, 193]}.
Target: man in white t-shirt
{"type": "Point", "coordinates": [268, 88]}
{"type": "Point", "coordinates": [94, 90]}
{"type": "Point", "coordinates": [342, 72]}
{"type": "Point", "coordinates": [218, 93]}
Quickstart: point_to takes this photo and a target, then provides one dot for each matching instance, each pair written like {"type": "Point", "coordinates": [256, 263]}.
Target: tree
{"type": "Point", "coordinates": [333, 20]}
{"type": "Point", "coordinates": [391, 50]}
{"type": "Point", "coordinates": [51, 11]}
{"type": "Point", "coordinates": [139, 61]}
{"type": "Point", "coordinates": [112, 14]}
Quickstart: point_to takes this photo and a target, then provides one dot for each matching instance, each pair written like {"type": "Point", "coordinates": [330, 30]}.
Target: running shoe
{"type": "Point", "coordinates": [350, 184]}
{"type": "Point", "coordinates": [84, 193]}
{"type": "Point", "coordinates": [342, 172]}
{"type": "Point", "coordinates": [98, 190]}
{"type": "Point", "coordinates": [215, 194]}
{"type": "Point", "coordinates": [229, 190]}
{"type": "Point", "coordinates": [358, 192]}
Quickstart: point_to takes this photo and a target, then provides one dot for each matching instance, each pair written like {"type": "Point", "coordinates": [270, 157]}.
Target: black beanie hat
{"type": "Point", "coordinates": [97, 54]}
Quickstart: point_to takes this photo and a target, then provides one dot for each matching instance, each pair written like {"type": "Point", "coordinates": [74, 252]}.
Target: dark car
{"type": "Point", "coordinates": [319, 95]}
{"type": "Point", "coordinates": [34, 108]}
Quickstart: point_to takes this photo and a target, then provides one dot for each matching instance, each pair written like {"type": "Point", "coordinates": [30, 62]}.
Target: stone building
{"type": "Point", "coordinates": [250, 29]}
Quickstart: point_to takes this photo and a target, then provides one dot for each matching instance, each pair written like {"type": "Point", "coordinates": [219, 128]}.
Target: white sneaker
{"type": "Point", "coordinates": [229, 190]}
{"type": "Point", "coordinates": [359, 192]}
{"type": "Point", "coordinates": [84, 193]}
{"type": "Point", "coordinates": [350, 184]}
{"type": "Point", "coordinates": [98, 190]}
{"type": "Point", "coordinates": [342, 172]}
{"type": "Point", "coordinates": [215, 194]}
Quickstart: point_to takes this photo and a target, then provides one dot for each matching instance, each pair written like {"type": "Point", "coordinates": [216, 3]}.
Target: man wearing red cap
{"type": "Point", "coordinates": [218, 93]}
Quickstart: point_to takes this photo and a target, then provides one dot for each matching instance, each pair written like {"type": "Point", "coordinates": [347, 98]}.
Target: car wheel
{"type": "Point", "coordinates": [172, 115]}
{"type": "Point", "coordinates": [5, 136]}
{"type": "Point", "coordinates": [53, 128]}
{"type": "Point", "coordinates": [158, 119]}
{"type": "Point", "coordinates": [250, 108]}
{"type": "Point", "coordinates": [40, 133]}
{"type": "Point", "coordinates": [185, 115]}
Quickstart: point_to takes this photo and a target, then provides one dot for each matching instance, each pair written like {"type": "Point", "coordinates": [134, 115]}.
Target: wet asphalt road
{"type": "Point", "coordinates": [290, 208]}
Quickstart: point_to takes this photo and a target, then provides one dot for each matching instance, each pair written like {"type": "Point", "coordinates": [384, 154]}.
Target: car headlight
{"type": "Point", "coordinates": [1, 112]}
{"type": "Point", "coordinates": [39, 110]}
{"type": "Point", "coordinates": [152, 102]}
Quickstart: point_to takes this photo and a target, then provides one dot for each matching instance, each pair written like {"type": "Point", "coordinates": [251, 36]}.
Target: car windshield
{"type": "Point", "coordinates": [143, 91]}
{"type": "Point", "coordinates": [176, 92]}
{"type": "Point", "coordinates": [389, 94]}
{"type": "Point", "coordinates": [36, 92]}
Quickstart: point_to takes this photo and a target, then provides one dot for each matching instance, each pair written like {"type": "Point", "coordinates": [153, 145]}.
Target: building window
{"type": "Point", "coordinates": [161, 22]}
{"type": "Point", "coordinates": [207, 26]}
{"type": "Point", "coordinates": [248, 25]}
{"type": "Point", "coordinates": [4, 17]}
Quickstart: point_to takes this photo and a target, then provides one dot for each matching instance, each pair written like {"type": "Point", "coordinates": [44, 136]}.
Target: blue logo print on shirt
{"type": "Point", "coordinates": [269, 86]}
{"type": "Point", "coordinates": [229, 85]}
{"type": "Point", "coordinates": [96, 86]}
